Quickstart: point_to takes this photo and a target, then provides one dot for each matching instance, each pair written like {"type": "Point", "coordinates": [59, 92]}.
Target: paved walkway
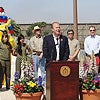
{"type": "Point", "coordinates": [7, 95]}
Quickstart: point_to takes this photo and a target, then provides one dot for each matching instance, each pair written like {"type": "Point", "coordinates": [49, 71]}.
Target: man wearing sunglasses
{"type": "Point", "coordinates": [92, 44]}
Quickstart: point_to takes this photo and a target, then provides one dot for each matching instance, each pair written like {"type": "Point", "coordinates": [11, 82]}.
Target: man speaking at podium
{"type": "Point", "coordinates": [55, 45]}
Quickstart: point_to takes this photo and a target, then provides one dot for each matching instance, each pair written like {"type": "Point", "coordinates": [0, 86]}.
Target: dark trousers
{"type": "Point", "coordinates": [6, 69]}
{"type": "Point", "coordinates": [1, 75]}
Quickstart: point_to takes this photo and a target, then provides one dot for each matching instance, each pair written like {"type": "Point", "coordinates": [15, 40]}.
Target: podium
{"type": "Point", "coordinates": [62, 80]}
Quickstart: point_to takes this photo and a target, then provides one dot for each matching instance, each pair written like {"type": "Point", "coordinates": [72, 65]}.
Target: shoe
{"type": "Point", "coordinates": [0, 87]}
{"type": "Point", "coordinates": [7, 88]}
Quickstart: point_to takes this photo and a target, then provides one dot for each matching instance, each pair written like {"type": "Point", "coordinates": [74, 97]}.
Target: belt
{"type": "Point", "coordinates": [97, 54]}
{"type": "Point", "coordinates": [94, 54]}
{"type": "Point", "coordinates": [37, 53]}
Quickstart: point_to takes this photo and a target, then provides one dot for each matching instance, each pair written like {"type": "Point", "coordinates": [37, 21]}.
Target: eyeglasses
{"type": "Point", "coordinates": [92, 30]}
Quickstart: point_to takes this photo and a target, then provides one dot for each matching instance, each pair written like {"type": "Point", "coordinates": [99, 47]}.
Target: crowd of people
{"type": "Point", "coordinates": [53, 47]}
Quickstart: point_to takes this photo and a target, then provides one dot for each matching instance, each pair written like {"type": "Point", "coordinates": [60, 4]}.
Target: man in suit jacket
{"type": "Point", "coordinates": [55, 46]}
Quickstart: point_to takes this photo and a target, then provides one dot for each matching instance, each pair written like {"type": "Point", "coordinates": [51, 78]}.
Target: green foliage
{"type": "Point", "coordinates": [16, 28]}
{"type": "Point", "coordinates": [90, 79]}
{"type": "Point", "coordinates": [40, 24]}
{"type": "Point", "coordinates": [45, 32]}
{"type": "Point", "coordinates": [89, 82]}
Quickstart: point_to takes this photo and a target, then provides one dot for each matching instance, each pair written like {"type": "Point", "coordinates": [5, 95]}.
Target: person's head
{"type": "Point", "coordinates": [92, 30]}
{"type": "Point", "coordinates": [55, 29]}
{"type": "Point", "coordinates": [20, 39]}
{"type": "Point", "coordinates": [70, 34]}
{"type": "Point", "coordinates": [5, 37]}
{"type": "Point", "coordinates": [37, 30]}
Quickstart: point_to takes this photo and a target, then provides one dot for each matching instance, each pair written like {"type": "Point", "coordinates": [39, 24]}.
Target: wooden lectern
{"type": "Point", "coordinates": [62, 80]}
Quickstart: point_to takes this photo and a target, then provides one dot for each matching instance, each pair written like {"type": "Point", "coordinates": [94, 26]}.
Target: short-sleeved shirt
{"type": "Point", "coordinates": [24, 53]}
{"type": "Point", "coordinates": [73, 45]}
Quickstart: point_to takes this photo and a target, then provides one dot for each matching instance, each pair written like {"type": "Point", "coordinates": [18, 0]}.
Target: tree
{"type": "Point", "coordinates": [16, 28]}
{"type": "Point", "coordinates": [42, 25]}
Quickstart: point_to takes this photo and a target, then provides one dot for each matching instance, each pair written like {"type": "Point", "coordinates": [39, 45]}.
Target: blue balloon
{"type": "Point", "coordinates": [4, 17]}
{"type": "Point", "coordinates": [0, 17]}
{"type": "Point", "coordinates": [10, 28]}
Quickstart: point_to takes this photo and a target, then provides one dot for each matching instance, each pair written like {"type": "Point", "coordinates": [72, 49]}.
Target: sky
{"type": "Point", "coordinates": [31, 11]}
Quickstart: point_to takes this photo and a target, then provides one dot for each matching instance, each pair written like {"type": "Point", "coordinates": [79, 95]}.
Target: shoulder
{"type": "Point", "coordinates": [48, 36]}
{"type": "Point", "coordinates": [32, 38]}
{"type": "Point", "coordinates": [76, 40]}
{"type": "Point", "coordinates": [87, 38]}
{"type": "Point", "coordinates": [63, 37]}
{"type": "Point", "coordinates": [97, 36]}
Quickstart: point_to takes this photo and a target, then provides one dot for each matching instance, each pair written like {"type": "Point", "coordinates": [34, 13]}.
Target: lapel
{"type": "Point", "coordinates": [52, 41]}
{"type": "Point", "coordinates": [61, 41]}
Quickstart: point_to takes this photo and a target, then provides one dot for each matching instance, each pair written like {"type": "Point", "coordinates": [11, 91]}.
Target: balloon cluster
{"type": "Point", "coordinates": [5, 22]}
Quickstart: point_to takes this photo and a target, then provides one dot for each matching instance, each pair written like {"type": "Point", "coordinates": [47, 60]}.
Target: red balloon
{"type": "Point", "coordinates": [1, 20]}
{"type": "Point", "coordinates": [5, 21]}
{"type": "Point", "coordinates": [1, 10]}
{"type": "Point", "coordinates": [11, 31]}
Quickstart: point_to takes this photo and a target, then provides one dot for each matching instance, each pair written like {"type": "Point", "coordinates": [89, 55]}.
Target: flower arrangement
{"type": "Point", "coordinates": [28, 83]}
{"type": "Point", "coordinates": [90, 79]}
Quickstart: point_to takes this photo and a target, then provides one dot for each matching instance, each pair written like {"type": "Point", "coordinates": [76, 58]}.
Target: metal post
{"type": "Point", "coordinates": [75, 18]}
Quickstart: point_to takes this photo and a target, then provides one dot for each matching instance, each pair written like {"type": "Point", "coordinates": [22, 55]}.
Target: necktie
{"type": "Point", "coordinates": [57, 41]}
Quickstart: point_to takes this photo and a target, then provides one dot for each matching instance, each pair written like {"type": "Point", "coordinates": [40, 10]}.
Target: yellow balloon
{"type": "Point", "coordinates": [5, 25]}
{"type": "Point", "coordinates": [8, 23]}
{"type": "Point", "coordinates": [12, 41]}
{"type": "Point", "coordinates": [0, 35]}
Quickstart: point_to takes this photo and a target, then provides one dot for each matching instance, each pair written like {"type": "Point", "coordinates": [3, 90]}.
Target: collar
{"type": "Point", "coordinates": [38, 36]}
{"type": "Point", "coordinates": [93, 36]}
{"type": "Point", "coordinates": [56, 37]}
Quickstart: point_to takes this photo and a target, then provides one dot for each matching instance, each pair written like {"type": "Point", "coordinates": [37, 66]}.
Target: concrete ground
{"type": "Point", "coordinates": [7, 95]}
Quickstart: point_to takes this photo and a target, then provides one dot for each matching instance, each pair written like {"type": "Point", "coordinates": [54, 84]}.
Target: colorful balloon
{"type": "Point", "coordinates": [5, 21]}
{"type": "Point", "coordinates": [10, 28]}
{"type": "Point", "coordinates": [4, 17]}
{"type": "Point", "coordinates": [1, 9]}
{"type": "Point", "coordinates": [11, 31]}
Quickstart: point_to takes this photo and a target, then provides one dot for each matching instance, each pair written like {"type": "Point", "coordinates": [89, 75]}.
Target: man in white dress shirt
{"type": "Point", "coordinates": [92, 43]}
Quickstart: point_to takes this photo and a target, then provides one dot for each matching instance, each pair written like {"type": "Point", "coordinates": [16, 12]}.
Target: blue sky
{"type": "Point", "coordinates": [30, 11]}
